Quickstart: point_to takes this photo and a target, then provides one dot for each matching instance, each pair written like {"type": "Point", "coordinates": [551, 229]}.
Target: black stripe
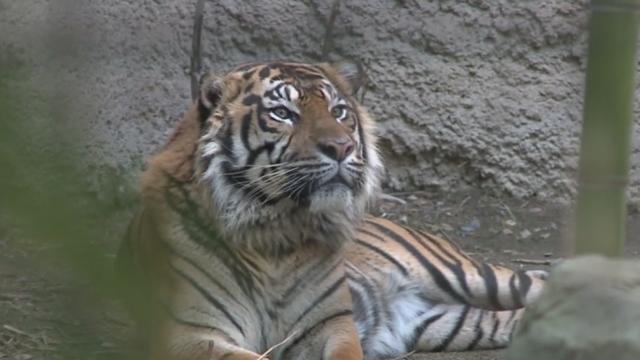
{"type": "Point", "coordinates": [515, 294]}
{"type": "Point", "coordinates": [310, 330]}
{"type": "Point", "coordinates": [244, 129]}
{"type": "Point", "coordinates": [203, 114]}
{"type": "Point", "coordinates": [205, 273]}
{"type": "Point", "coordinates": [253, 155]}
{"type": "Point", "coordinates": [194, 324]}
{"type": "Point", "coordinates": [438, 242]}
{"type": "Point", "coordinates": [385, 255]}
{"type": "Point", "coordinates": [264, 72]}
{"type": "Point", "coordinates": [252, 99]}
{"type": "Point", "coordinates": [263, 324]}
{"type": "Point", "coordinates": [524, 285]}
{"type": "Point", "coordinates": [250, 262]}
{"type": "Point", "coordinates": [372, 234]}
{"type": "Point", "coordinates": [273, 93]}
{"type": "Point", "coordinates": [491, 283]}
{"type": "Point", "coordinates": [205, 161]}
{"type": "Point", "coordinates": [478, 330]}
{"type": "Point", "coordinates": [363, 144]}
{"type": "Point", "coordinates": [263, 125]}
{"type": "Point", "coordinates": [437, 276]}
{"type": "Point", "coordinates": [209, 298]}
{"type": "Point", "coordinates": [235, 176]}
{"type": "Point", "coordinates": [304, 279]}
{"type": "Point", "coordinates": [284, 149]}
{"type": "Point", "coordinates": [496, 325]}
{"type": "Point", "coordinates": [226, 142]}
{"type": "Point", "coordinates": [454, 265]}
{"type": "Point", "coordinates": [249, 87]}
{"type": "Point", "coordinates": [287, 93]}
{"type": "Point", "coordinates": [374, 313]}
{"type": "Point", "coordinates": [328, 292]}
{"type": "Point", "coordinates": [454, 332]}
{"type": "Point", "coordinates": [359, 308]}
{"type": "Point", "coordinates": [420, 329]}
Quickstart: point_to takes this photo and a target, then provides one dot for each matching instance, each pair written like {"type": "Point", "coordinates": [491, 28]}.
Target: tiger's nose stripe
{"type": "Point", "coordinates": [337, 149]}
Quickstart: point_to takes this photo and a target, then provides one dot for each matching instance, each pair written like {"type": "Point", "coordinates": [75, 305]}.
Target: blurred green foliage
{"type": "Point", "coordinates": [49, 199]}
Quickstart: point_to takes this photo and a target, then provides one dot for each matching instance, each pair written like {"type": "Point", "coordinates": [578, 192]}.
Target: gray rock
{"type": "Point", "coordinates": [590, 310]}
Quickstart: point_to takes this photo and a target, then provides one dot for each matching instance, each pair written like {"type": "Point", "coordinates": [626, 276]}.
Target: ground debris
{"type": "Point", "coordinates": [535, 261]}
{"type": "Point", "coordinates": [15, 330]}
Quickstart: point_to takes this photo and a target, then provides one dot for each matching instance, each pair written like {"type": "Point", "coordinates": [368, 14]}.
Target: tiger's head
{"type": "Point", "coordinates": [286, 145]}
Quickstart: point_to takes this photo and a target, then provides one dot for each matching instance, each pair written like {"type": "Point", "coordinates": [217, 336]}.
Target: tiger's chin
{"type": "Point", "coordinates": [332, 197]}
{"type": "Point", "coordinates": [331, 212]}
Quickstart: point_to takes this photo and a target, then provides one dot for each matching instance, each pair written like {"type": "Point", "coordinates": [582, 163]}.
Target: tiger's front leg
{"type": "Point", "coordinates": [185, 342]}
{"type": "Point", "coordinates": [345, 350]}
{"type": "Point", "coordinates": [332, 337]}
{"type": "Point", "coordinates": [343, 343]}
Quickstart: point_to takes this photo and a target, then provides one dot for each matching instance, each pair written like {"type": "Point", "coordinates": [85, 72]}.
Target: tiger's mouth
{"type": "Point", "coordinates": [336, 180]}
{"type": "Point", "coordinates": [333, 184]}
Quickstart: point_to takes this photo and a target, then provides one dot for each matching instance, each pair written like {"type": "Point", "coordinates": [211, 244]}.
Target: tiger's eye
{"type": "Point", "coordinates": [338, 112]}
{"type": "Point", "coordinates": [281, 112]}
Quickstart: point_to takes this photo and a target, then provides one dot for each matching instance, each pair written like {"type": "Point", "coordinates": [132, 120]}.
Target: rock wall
{"type": "Point", "coordinates": [467, 93]}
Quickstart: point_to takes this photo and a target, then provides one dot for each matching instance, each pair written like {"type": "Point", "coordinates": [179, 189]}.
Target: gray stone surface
{"type": "Point", "coordinates": [590, 310]}
{"type": "Point", "coordinates": [467, 93]}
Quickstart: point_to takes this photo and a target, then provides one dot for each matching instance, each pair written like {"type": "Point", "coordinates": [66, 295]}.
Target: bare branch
{"type": "Point", "coordinates": [196, 48]}
{"type": "Point", "coordinates": [327, 44]}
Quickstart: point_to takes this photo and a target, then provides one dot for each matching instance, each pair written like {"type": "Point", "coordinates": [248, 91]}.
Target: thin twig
{"type": "Point", "coordinates": [508, 210]}
{"type": "Point", "coordinates": [404, 356]}
{"type": "Point", "coordinates": [328, 35]}
{"type": "Point", "coordinates": [15, 330]}
{"type": "Point", "coordinates": [533, 261]}
{"type": "Point", "coordinates": [391, 198]}
{"type": "Point", "coordinates": [196, 49]}
{"type": "Point", "coordinates": [266, 353]}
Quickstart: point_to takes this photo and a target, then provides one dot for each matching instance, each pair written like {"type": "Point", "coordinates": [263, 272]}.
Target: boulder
{"type": "Point", "coordinates": [589, 310]}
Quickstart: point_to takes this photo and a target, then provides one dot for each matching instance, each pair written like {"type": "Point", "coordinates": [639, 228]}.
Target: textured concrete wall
{"type": "Point", "coordinates": [467, 93]}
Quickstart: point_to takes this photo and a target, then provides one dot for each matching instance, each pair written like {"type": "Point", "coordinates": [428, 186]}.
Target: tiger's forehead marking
{"type": "Point", "coordinates": [283, 90]}
{"type": "Point", "coordinates": [279, 93]}
{"type": "Point", "coordinates": [289, 84]}
{"type": "Point", "coordinates": [293, 90]}
{"type": "Point", "coordinates": [331, 94]}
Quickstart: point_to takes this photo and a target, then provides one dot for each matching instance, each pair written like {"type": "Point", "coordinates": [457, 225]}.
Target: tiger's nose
{"type": "Point", "coordinates": [337, 149]}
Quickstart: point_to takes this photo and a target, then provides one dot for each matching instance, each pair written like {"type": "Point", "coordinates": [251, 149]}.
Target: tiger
{"type": "Point", "coordinates": [253, 239]}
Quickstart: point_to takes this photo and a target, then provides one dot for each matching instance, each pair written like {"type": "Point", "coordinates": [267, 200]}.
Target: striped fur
{"type": "Point", "coordinates": [253, 236]}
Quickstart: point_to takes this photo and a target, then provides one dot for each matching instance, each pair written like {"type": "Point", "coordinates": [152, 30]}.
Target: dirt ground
{"type": "Point", "coordinates": [48, 313]}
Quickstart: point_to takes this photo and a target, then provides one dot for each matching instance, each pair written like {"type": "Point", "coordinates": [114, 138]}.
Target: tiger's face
{"type": "Point", "coordinates": [285, 137]}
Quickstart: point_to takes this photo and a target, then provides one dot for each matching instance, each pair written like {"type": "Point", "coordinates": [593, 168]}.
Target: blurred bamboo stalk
{"type": "Point", "coordinates": [606, 133]}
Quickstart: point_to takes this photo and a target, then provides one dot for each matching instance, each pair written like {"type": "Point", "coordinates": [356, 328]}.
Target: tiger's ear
{"type": "Point", "coordinates": [211, 88]}
{"type": "Point", "coordinates": [353, 73]}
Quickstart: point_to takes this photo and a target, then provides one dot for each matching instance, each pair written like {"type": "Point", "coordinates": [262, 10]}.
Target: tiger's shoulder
{"type": "Point", "coordinates": [174, 163]}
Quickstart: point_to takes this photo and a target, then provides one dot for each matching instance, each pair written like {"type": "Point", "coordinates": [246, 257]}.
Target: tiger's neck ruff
{"type": "Point", "coordinates": [286, 155]}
